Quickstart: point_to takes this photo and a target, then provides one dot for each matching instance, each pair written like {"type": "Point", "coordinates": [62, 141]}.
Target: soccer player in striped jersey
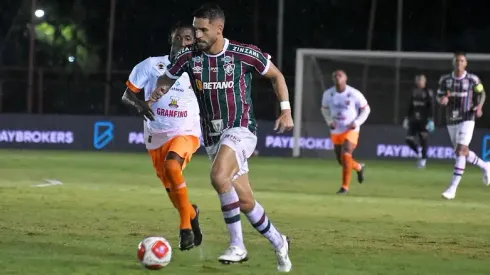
{"type": "Point", "coordinates": [223, 70]}
{"type": "Point", "coordinates": [463, 95]}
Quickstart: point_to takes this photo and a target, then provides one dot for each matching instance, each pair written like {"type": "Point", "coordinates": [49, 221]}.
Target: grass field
{"type": "Point", "coordinates": [395, 223]}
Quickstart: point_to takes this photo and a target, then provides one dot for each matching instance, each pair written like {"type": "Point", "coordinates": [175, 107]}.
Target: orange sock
{"type": "Point", "coordinates": [346, 170]}
{"type": "Point", "coordinates": [173, 172]}
{"type": "Point", "coordinates": [171, 195]}
{"type": "Point", "coordinates": [355, 165]}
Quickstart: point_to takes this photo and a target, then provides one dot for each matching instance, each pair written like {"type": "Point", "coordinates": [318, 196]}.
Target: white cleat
{"type": "Point", "coordinates": [283, 262]}
{"type": "Point", "coordinates": [486, 174]}
{"type": "Point", "coordinates": [421, 163]}
{"type": "Point", "coordinates": [233, 255]}
{"type": "Point", "coordinates": [449, 194]}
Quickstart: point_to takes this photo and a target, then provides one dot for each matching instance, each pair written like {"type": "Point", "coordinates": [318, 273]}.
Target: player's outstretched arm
{"type": "Point", "coordinates": [130, 98]}
{"type": "Point", "coordinates": [285, 120]}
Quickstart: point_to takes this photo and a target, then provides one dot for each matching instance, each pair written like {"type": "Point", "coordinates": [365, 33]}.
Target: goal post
{"type": "Point", "coordinates": [384, 77]}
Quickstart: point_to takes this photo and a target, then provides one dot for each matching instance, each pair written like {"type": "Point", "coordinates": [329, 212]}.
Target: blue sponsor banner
{"type": "Point", "coordinates": [125, 134]}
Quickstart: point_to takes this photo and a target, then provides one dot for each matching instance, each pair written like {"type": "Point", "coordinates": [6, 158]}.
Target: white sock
{"type": "Point", "coordinates": [261, 223]}
{"type": "Point", "coordinates": [458, 172]}
{"type": "Point", "coordinates": [230, 206]}
{"type": "Point", "coordinates": [476, 161]}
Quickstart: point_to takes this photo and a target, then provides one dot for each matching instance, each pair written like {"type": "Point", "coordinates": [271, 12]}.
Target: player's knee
{"type": "Point", "coordinates": [461, 150]}
{"type": "Point", "coordinates": [220, 179]}
{"type": "Point", "coordinates": [174, 156]}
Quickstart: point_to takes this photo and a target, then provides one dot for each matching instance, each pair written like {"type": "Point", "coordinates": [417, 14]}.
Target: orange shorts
{"type": "Point", "coordinates": [184, 146]}
{"type": "Point", "coordinates": [351, 136]}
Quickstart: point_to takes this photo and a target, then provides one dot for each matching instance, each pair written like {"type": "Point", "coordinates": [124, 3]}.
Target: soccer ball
{"type": "Point", "coordinates": [154, 252]}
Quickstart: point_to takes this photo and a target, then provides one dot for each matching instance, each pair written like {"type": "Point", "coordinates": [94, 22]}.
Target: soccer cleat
{"type": "Point", "coordinates": [342, 191]}
{"type": "Point", "coordinates": [449, 194]}
{"type": "Point", "coordinates": [360, 173]}
{"type": "Point", "coordinates": [186, 239]}
{"type": "Point", "coordinates": [196, 229]}
{"type": "Point", "coordinates": [421, 163]}
{"type": "Point", "coordinates": [486, 174]}
{"type": "Point", "coordinates": [233, 255]}
{"type": "Point", "coordinates": [282, 255]}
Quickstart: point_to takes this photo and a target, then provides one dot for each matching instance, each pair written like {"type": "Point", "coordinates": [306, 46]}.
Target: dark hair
{"type": "Point", "coordinates": [210, 12]}
{"type": "Point", "coordinates": [177, 27]}
{"type": "Point", "coordinates": [459, 54]}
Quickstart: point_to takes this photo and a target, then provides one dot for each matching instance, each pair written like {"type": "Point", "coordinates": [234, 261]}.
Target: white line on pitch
{"type": "Point", "coordinates": [49, 183]}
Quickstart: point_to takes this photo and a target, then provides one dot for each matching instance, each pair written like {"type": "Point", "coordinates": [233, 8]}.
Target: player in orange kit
{"type": "Point", "coordinates": [172, 130]}
{"type": "Point", "coordinates": [345, 109]}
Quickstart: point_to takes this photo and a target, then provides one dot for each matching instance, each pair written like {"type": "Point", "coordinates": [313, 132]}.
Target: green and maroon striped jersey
{"type": "Point", "coordinates": [223, 84]}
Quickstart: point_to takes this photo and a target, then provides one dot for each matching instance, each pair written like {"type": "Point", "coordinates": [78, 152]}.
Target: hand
{"type": "Point", "coordinates": [352, 126]}
{"type": "Point", "coordinates": [430, 126]}
{"type": "Point", "coordinates": [405, 124]}
{"type": "Point", "coordinates": [143, 108]}
{"type": "Point", "coordinates": [157, 94]}
{"type": "Point", "coordinates": [478, 111]}
{"type": "Point", "coordinates": [284, 122]}
{"type": "Point", "coordinates": [332, 125]}
{"type": "Point", "coordinates": [444, 100]}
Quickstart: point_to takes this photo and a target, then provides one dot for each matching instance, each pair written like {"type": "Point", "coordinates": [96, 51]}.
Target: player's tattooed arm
{"type": "Point", "coordinates": [278, 83]}
{"type": "Point", "coordinates": [142, 107]}
{"type": "Point", "coordinates": [285, 120]}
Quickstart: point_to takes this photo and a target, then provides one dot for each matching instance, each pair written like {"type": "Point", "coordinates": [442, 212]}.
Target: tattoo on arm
{"type": "Point", "coordinates": [481, 98]}
{"type": "Point", "coordinates": [129, 98]}
{"type": "Point", "coordinates": [273, 80]}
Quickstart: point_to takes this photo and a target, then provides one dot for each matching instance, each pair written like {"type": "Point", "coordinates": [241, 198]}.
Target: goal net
{"type": "Point", "coordinates": [385, 78]}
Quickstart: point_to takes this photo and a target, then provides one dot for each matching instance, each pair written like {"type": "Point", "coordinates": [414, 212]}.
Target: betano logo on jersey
{"type": "Point", "coordinates": [218, 85]}
{"type": "Point", "coordinates": [214, 85]}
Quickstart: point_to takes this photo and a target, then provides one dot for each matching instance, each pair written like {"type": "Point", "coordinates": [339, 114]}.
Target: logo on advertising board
{"type": "Point", "coordinates": [103, 134]}
{"type": "Point", "coordinates": [485, 148]}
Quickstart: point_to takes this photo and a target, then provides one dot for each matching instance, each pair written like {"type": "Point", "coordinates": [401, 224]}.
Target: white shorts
{"type": "Point", "coordinates": [461, 133]}
{"type": "Point", "coordinates": [242, 141]}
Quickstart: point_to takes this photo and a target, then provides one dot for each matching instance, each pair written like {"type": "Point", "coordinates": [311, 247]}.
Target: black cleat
{"type": "Point", "coordinates": [196, 229]}
{"type": "Point", "coordinates": [342, 191]}
{"type": "Point", "coordinates": [360, 173]}
{"type": "Point", "coordinates": [186, 239]}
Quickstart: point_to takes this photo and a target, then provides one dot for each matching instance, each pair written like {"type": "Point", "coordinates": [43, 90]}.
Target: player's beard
{"type": "Point", "coordinates": [205, 45]}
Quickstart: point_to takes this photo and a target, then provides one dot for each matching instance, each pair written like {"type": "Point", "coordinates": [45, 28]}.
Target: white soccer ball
{"type": "Point", "coordinates": [154, 252]}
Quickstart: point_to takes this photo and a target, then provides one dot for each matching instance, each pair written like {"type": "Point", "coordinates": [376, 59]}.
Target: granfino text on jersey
{"type": "Point", "coordinates": [171, 113]}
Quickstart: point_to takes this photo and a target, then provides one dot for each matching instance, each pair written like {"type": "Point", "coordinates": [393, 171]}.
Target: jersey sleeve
{"type": "Point", "coordinates": [257, 60]}
{"type": "Point", "coordinates": [361, 101]}
{"type": "Point", "coordinates": [325, 104]}
{"type": "Point", "coordinates": [477, 85]}
{"type": "Point", "coordinates": [139, 76]}
{"type": "Point", "coordinates": [179, 64]}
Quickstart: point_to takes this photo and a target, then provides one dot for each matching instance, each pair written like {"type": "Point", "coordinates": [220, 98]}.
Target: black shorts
{"type": "Point", "coordinates": [416, 127]}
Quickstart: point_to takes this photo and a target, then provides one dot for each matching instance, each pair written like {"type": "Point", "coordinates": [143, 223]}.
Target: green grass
{"type": "Point", "coordinates": [395, 223]}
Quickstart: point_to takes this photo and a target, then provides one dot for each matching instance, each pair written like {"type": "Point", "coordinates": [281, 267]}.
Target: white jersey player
{"type": "Point", "coordinates": [172, 131]}
{"type": "Point", "coordinates": [345, 109]}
